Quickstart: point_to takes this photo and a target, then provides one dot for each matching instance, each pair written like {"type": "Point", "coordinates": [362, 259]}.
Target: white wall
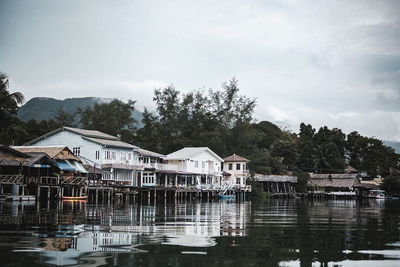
{"type": "Point", "coordinates": [212, 165]}
{"type": "Point", "coordinates": [88, 150]}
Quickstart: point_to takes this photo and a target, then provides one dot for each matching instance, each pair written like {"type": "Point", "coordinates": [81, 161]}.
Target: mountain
{"type": "Point", "coordinates": [44, 108]}
{"type": "Point", "coordinates": [394, 144]}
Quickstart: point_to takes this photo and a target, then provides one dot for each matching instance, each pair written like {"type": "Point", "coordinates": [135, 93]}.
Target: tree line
{"type": "Point", "coordinates": [222, 120]}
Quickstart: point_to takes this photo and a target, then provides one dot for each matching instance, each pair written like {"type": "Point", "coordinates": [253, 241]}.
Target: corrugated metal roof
{"type": "Point", "coordinates": [235, 158]}
{"type": "Point", "coordinates": [82, 132]}
{"type": "Point", "coordinates": [276, 178]}
{"type": "Point", "coordinates": [111, 143]}
{"type": "Point", "coordinates": [149, 153]}
{"type": "Point", "coordinates": [189, 152]}
{"type": "Point", "coordinates": [91, 133]}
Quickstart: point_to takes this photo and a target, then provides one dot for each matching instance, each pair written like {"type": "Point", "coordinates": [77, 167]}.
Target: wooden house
{"type": "Point", "coordinates": [336, 182]}
{"type": "Point", "coordinates": [277, 184]}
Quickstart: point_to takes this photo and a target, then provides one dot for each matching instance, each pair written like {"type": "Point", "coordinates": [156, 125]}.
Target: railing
{"type": "Point", "coordinates": [42, 180]}
{"type": "Point", "coordinates": [12, 179]}
{"type": "Point", "coordinates": [161, 166]}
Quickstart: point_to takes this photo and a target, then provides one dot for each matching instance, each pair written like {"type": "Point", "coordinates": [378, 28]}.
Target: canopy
{"type": "Point", "coordinates": [78, 166]}
{"type": "Point", "coordinates": [65, 166]}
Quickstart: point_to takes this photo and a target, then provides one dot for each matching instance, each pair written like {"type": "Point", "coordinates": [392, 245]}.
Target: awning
{"type": "Point", "coordinates": [40, 166]}
{"type": "Point", "coordinates": [78, 166]}
{"type": "Point", "coordinates": [65, 166]}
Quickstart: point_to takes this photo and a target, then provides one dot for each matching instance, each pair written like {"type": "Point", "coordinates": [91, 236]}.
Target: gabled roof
{"type": "Point", "coordinates": [112, 143]}
{"type": "Point", "coordinates": [148, 153]}
{"type": "Point", "coordinates": [6, 152]}
{"type": "Point", "coordinates": [338, 180]}
{"type": "Point", "coordinates": [91, 133]}
{"type": "Point", "coordinates": [235, 158]}
{"type": "Point", "coordinates": [82, 132]}
{"type": "Point", "coordinates": [189, 152]}
{"type": "Point", "coordinates": [55, 152]}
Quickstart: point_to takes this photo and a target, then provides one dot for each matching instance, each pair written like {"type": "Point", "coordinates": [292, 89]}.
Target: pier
{"type": "Point", "coordinates": [23, 188]}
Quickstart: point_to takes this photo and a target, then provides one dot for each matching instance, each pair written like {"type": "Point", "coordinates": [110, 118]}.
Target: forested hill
{"type": "Point", "coordinates": [45, 108]}
{"type": "Point", "coordinates": [395, 145]}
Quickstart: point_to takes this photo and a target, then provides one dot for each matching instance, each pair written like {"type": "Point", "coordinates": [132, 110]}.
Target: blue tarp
{"type": "Point", "coordinates": [78, 166]}
{"type": "Point", "coordinates": [65, 166]}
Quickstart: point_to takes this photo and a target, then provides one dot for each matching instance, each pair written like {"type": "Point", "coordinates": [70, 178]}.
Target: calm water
{"type": "Point", "coordinates": [276, 233]}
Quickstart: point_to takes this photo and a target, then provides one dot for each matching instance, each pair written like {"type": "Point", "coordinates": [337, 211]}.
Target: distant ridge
{"type": "Point", "coordinates": [44, 108]}
{"type": "Point", "coordinates": [393, 144]}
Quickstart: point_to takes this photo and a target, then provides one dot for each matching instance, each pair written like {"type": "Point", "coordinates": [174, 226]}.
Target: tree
{"type": "Point", "coordinates": [8, 101]}
{"type": "Point", "coordinates": [64, 118]}
{"type": "Point", "coordinates": [306, 147]}
{"type": "Point", "coordinates": [114, 118]}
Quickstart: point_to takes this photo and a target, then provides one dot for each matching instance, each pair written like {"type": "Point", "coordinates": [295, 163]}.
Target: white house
{"type": "Point", "coordinates": [235, 170]}
{"type": "Point", "coordinates": [153, 171]}
{"type": "Point", "coordinates": [196, 166]}
{"type": "Point", "coordinates": [119, 159]}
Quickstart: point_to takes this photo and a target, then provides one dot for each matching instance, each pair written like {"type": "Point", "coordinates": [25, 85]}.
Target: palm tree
{"type": "Point", "coordinates": [8, 101]}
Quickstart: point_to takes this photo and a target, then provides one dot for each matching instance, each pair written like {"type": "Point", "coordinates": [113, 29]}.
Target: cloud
{"type": "Point", "coordinates": [334, 63]}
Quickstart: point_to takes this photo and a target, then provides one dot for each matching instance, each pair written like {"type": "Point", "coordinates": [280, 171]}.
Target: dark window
{"type": "Point", "coordinates": [238, 166]}
{"type": "Point", "coordinates": [230, 166]}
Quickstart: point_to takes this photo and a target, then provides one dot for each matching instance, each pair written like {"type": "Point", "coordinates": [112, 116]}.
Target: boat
{"type": "Point", "coordinates": [75, 198]}
{"type": "Point", "coordinates": [221, 196]}
{"type": "Point", "coordinates": [379, 194]}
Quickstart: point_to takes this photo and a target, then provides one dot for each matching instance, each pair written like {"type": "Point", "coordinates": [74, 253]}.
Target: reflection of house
{"type": "Point", "coordinates": [334, 182]}
{"type": "Point", "coordinates": [196, 165]}
{"type": "Point", "coordinates": [277, 183]}
{"type": "Point", "coordinates": [117, 158]}
{"type": "Point", "coordinates": [235, 170]}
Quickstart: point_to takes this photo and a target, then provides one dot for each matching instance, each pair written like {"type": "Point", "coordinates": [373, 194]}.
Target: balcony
{"type": "Point", "coordinates": [160, 166]}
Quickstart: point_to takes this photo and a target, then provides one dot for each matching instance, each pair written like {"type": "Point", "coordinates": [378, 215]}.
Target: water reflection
{"type": "Point", "coordinates": [277, 233]}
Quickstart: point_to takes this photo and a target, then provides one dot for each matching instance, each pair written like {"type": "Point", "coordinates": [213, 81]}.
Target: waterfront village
{"type": "Point", "coordinates": [76, 164]}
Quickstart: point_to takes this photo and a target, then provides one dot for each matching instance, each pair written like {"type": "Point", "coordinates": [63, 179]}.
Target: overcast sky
{"type": "Point", "coordinates": [334, 63]}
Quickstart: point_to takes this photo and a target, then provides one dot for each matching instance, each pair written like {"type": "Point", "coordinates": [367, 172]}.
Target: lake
{"type": "Point", "coordinates": [224, 233]}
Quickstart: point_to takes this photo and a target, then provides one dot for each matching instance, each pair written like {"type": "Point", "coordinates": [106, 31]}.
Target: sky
{"type": "Point", "coordinates": [334, 63]}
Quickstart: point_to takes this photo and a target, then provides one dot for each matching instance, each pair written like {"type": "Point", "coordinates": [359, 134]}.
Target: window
{"type": "Point", "coordinates": [238, 166]}
{"type": "Point", "coordinates": [123, 156]}
{"type": "Point", "coordinates": [107, 154]}
{"type": "Point", "coordinates": [203, 164]}
{"type": "Point", "coordinates": [237, 180]}
{"type": "Point", "coordinates": [97, 154]}
{"type": "Point", "coordinates": [129, 156]}
{"type": "Point", "coordinates": [230, 166]}
{"type": "Point", "coordinates": [114, 155]}
{"type": "Point", "coordinates": [76, 151]}
{"type": "Point", "coordinates": [196, 164]}
{"type": "Point", "coordinates": [146, 160]}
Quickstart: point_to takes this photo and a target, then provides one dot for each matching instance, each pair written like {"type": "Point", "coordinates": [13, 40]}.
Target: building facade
{"type": "Point", "coordinates": [235, 170]}
{"type": "Point", "coordinates": [117, 159]}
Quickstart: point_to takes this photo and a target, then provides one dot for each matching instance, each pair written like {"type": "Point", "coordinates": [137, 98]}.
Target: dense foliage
{"type": "Point", "coordinates": [222, 120]}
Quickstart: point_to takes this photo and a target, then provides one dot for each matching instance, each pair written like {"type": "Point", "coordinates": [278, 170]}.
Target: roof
{"type": "Point", "coordinates": [149, 153]}
{"type": "Point", "coordinates": [12, 157]}
{"type": "Point", "coordinates": [55, 152]}
{"type": "Point", "coordinates": [235, 158]}
{"type": "Point", "coordinates": [8, 152]}
{"type": "Point", "coordinates": [276, 178]}
{"type": "Point", "coordinates": [112, 143]}
{"type": "Point", "coordinates": [91, 133]}
{"type": "Point", "coordinates": [189, 152]}
{"type": "Point", "coordinates": [339, 180]}
{"type": "Point", "coordinates": [83, 132]}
